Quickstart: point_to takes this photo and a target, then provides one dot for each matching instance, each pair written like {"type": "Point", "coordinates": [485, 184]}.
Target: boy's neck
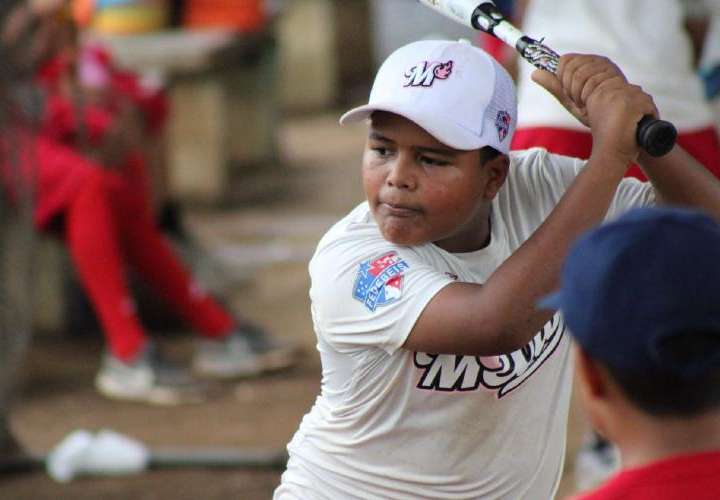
{"type": "Point", "coordinates": [650, 439]}
{"type": "Point", "coordinates": [476, 237]}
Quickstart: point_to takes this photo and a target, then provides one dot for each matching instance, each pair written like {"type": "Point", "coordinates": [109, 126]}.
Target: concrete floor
{"type": "Point", "coordinates": [259, 251]}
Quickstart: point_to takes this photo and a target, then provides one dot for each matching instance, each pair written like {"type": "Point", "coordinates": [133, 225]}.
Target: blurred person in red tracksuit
{"type": "Point", "coordinates": [91, 189]}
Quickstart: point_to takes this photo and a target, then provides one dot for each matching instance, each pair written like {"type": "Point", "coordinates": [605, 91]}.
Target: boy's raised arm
{"type": "Point", "coordinates": [679, 179]}
{"type": "Point", "coordinates": [501, 316]}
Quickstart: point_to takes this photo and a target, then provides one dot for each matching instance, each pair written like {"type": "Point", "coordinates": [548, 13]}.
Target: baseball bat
{"type": "Point", "coordinates": [656, 137]}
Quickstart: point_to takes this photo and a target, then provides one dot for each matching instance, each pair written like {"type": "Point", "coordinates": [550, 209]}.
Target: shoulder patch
{"type": "Point", "coordinates": [380, 280]}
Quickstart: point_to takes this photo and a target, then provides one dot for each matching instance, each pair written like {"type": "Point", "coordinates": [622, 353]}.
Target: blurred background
{"type": "Point", "coordinates": [251, 168]}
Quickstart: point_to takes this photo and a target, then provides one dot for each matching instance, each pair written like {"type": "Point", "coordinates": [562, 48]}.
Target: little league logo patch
{"type": "Point", "coordinates": [380, 280]}
{"type": "Point", "coordinates": [425, 73]}
{"type": "Point", "coordinates": [502, 123]}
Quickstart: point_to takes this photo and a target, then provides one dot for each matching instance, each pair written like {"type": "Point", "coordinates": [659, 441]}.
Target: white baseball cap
{"type": "Point", "coordinates": [456, 92]}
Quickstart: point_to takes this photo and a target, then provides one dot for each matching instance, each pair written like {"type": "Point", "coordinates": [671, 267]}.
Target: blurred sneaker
{"type": "Point", "coordinates": [149, 379]}
{"type": "Point", "coordinates": [246, 352]}
{"type": "Point", "coordinates": [273, 353]}
{"type": "Point", "coordinates": [596, 461]}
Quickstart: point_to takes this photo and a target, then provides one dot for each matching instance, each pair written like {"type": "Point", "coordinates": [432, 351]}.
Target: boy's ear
{"type": "Point", "coordinates": [593, 390]}
{"type": "Point", "coordinates": [590, 375]}
{"type": "Point", "coordinates": [497, 171]}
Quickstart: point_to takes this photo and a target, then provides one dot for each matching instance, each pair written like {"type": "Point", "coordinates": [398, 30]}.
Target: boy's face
{"type": "Point", "coordinates": [421, 190]}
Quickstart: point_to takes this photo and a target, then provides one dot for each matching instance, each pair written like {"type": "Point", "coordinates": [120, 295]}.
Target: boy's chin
{"type": "Point", "coordinates": [407, 240]}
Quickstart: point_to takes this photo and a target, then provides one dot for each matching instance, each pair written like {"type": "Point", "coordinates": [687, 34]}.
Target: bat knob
{"type": "Point", "coordinates": [656, 137]}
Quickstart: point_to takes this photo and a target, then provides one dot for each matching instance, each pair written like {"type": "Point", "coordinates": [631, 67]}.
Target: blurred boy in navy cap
{"type": "Point", "coordinates": [641, 297]}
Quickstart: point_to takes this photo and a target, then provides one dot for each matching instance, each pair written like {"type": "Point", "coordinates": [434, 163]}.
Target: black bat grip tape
{"type": "Point", "coordinates": [656, 137]}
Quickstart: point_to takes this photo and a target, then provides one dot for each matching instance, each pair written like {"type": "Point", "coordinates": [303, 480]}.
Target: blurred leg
{"type": "Point", "coordinates": [152, 257]}
{"type": "Point", "coordinates": [91, 236]}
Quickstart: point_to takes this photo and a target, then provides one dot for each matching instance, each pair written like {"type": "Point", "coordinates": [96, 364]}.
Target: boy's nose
{"type": "Point", "coordinates": [402, 174]}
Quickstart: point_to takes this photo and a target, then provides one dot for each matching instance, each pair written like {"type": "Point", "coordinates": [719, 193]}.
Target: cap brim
{"type": "Point", "coordinates": [552, 301]}
{"type": "Point", "coordinates": [442, 128]}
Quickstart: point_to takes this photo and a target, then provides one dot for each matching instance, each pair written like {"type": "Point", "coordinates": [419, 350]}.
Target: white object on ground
{"type": "Point", "coordinates": [105, 453]}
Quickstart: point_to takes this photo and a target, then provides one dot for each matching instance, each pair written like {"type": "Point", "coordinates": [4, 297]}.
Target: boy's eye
{"type": "Point", "coordinates": [381, 151]}
{"type": "Point", "coordinates": [433, 162]}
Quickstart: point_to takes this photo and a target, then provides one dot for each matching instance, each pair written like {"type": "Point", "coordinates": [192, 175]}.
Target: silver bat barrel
{"type": "Point", "coordinates": [486, 17]}
{"type": "Point", "coordinates": [656, 137]}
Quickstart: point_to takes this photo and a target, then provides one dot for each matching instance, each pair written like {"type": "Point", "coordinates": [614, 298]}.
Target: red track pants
{"type": "Point", "coordinates": [109, 228]}
{"type": "Point", "coordinates": [702, 144]}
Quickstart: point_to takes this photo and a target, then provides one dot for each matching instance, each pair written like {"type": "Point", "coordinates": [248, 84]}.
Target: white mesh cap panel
{"type": "Point", "coordinates": [504, 100]}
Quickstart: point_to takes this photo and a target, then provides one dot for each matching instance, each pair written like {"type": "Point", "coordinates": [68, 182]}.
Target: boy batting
{"type": "Point", "coordinates": [441, 378]}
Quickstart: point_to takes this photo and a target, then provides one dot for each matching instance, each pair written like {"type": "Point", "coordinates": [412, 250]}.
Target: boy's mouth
{"type": "Point", "coordinates": [397, 210]}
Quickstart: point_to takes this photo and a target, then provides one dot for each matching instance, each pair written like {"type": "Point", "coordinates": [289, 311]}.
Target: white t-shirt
{"type": "Point", "coordinates": [711, 48]}
{"type": "Point", "coordinates": [391, 423]}
{"type": "Point", "coordinates": [711, 52]}
{"type": "Point", "coordinates": [645, 38]}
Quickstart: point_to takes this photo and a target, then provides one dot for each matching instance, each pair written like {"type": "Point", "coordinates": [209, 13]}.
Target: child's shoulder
{"type": "Point", "coordinates": [354, 231]}
{"type": "Point", "coordinates": [537, 164]}
{"type": "Point", "coordinates": [358, 223]}
{"type": "Point", "coordinates": [353, 239]}
{"type": "Point", "coordinates": [532, 157]}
